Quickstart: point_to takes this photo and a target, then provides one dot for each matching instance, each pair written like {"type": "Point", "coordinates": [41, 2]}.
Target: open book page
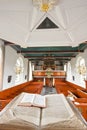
{"type": "Point", "coordinates": [57, 110]}
{"type": "Point", "coordinates": [33, 100]}
{"type": "Point", "coordinates": [27, 99]}
{"type": "Point", "coordinates": [29, 114]}
{"type": "Point", "coordinates": [39, 101]}
{"type": "Point", "coordinates": [59, 115]}
{"type": "Point", "coordinates": [15, 117]}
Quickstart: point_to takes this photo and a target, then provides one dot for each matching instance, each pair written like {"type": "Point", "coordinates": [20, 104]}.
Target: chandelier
{"type": "Point", "coordinates": [44, 5]}
{"type": "Point", "coordinates": [19, 69]}
{"type": "Point", "coordinates": [82, 69]}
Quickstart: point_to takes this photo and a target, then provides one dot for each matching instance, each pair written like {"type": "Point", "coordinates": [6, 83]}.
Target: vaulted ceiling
{"type": "Point", "coordinates": [19, 20]}
{"type": "Point", "coordinates": [59, 33]}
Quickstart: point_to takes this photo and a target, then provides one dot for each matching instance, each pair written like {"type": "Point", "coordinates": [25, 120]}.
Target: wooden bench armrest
{"type": "Point", "coordinates": [80, 100]}
{"type": "Point", "coordinates": [71, 94]}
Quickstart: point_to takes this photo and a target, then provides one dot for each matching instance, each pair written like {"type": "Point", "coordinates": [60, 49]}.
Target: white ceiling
{"type": "Point", "coordinates": [19, 19]}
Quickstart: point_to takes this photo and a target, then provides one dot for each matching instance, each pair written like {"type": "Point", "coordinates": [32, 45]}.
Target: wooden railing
{"type": "Point", "coordinates": [44, 73]}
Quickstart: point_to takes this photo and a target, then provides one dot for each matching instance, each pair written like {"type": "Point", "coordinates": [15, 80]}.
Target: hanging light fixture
{"type": "Point", "coordinates": [44, 5]}
{"type": "Point", "coordinates": [19, 64]}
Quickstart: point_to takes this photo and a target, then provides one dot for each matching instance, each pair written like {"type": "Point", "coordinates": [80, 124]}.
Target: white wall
{"type": "Point", "coordinates": [77, 77]}
{"type": "Point", "coordinates": [1, 63]}
{"type": "Point", "coordinates": [9, 67]}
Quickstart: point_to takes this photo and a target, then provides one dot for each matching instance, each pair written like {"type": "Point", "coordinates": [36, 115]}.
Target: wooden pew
{"type": "Point", "coordinates": [34, 87]}
{"type": "Point", "coordinates": [8, 94]}
{"type": "Point", "coordinates": [81, 102]}
{"type": "Point", "coordinates": [74, 86]}
{"type": "Point", "coordinates": [63, 87]}
{"type": "Point", "coordinates": [81, 93]}
{"type": "Point", "coordinates": [77, 92]}
{"type": "Point", "coordinates": [82, 107]}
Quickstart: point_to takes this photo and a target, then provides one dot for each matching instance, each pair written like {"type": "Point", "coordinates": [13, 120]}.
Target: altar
{"type": "Point", "coordinates": [49, 78]}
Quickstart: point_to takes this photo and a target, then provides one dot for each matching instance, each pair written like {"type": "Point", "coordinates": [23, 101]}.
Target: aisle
{"type": "Point", "coordinates": [48, 90]}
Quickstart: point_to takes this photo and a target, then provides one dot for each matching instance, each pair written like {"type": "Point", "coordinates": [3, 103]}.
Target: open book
{"type": "Point", "coordinates": [59, 114]}
{"type": "Point", "coordinates": [29, 99]}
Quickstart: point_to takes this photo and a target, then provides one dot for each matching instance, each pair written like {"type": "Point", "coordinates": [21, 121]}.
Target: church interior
{"type": "Point", "coordinates": [43, 50]}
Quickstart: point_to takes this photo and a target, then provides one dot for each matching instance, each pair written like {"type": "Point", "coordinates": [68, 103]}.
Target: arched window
{"type": "Point", "coordinates": [81, 67]}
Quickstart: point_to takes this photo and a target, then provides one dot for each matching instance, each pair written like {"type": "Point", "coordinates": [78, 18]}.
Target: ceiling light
{"type": "Point", "coordinates": [44, 5]}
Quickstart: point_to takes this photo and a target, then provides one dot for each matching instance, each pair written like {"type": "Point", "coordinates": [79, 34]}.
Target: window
{"type": "Point", "coordinates": [81, 68]}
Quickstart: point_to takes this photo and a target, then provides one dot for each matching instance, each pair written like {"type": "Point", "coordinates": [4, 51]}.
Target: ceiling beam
{"type": "Point", "coordinates": [8, 43]}
{"type": "Point", "coordinates": [55, 51]}
{"type": "Point", "coordinates": [54, 59]}
{"type": "Point", "coordinates": [48, 57]}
